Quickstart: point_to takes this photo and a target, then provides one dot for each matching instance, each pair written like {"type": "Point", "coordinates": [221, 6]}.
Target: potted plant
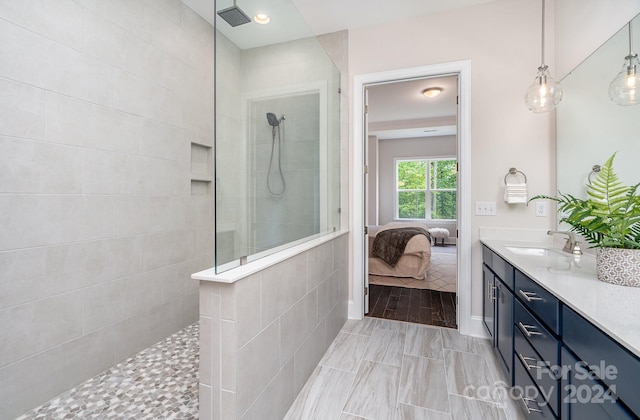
{"type": "Point", "coordinates": [609, 220]}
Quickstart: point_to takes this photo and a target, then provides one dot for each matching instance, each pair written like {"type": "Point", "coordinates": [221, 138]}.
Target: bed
{"type": "Point", "coordinates": [415, 258]}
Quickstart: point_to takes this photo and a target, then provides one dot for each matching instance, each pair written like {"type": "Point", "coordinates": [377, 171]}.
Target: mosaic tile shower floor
{"type": "Point", "coordinates": [160, 382]}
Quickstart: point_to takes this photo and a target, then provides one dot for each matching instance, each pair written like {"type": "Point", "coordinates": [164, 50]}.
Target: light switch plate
{"type": "Point", "coordinates": [485, 208]}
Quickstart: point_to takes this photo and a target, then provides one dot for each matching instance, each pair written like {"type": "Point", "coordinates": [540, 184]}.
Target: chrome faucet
{"type": "Point", "coordinates": [571, 246]}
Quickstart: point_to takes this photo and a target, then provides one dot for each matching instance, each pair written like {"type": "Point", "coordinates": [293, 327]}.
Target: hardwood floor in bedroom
{"type": "Point", "coordinates": [421, 306]}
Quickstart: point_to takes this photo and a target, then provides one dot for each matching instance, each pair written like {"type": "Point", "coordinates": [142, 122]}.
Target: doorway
{"type": "Point", "coordinates": [411, 182]}
{"type": "Point", "coordinates": [358, 304]}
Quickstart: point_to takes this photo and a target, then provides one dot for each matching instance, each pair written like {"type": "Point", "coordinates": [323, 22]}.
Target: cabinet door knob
{"type": "Point", "coordinates": [529, 296]}
{"type": "Point", "coordinates": [526, 329]}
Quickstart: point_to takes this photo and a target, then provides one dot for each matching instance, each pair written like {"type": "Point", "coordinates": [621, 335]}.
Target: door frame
{"type": "Point", "coordinates": [463, 70]}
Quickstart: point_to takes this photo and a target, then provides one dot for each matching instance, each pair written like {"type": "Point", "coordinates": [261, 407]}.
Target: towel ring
{"type": "Point", "coordinates": [594, 170]}
{"type": "Point", "coordinates": [513, 171]}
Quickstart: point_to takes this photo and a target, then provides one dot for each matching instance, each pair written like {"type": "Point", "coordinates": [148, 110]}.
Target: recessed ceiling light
{"type": "Point", "coordinates": [432, 92]}
{"type": "Point", "coordinates": [262, 19]}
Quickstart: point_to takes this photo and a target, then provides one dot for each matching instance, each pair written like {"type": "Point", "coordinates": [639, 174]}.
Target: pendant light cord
{"type": "Point", "coordinates": [630, 40]}
{"type": "Point", "coordinates": [542, 55]}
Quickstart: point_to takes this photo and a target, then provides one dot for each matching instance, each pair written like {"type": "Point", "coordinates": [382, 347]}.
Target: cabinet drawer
{"type": "Point", "coordinates": [541, 302]}
{"type": "Point", "coordinates": [603, 354]}
{"type": "Point", "coordinates": [583, 398]}
{"type": "Point", "coordinates": [499, 266]}
{"type": "Point", "coordinates": [540, 338]}
{"type": "Point", "coordinates": [531, 400]}
{"type": "Point", "coordinates": [539, 369]}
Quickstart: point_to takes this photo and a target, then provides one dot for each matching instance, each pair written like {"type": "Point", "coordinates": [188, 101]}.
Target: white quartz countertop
{"type": "Point", "coordinates": [614, 309]}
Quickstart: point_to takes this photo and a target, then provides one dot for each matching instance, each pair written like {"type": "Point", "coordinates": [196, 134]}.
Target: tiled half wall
{"type": "Point", "coordinates": [262, 336]}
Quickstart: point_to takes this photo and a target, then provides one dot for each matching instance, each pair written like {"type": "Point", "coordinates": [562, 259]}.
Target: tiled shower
{"type": "Point", "coordinates": [104, 217]}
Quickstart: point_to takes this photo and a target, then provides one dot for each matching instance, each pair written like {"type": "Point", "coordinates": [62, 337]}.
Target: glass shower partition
{"type": "Point", "coordinates": [277, 138]}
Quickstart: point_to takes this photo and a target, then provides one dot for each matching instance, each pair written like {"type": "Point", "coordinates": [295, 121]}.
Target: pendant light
{"type": "Point", "coordinates": [544, 94]}
{"type": "Point", "coordinates": [623, 89]}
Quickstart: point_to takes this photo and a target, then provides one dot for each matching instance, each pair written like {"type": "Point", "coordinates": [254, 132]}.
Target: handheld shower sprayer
{"type": "Point", "coordinates": [273, 120]}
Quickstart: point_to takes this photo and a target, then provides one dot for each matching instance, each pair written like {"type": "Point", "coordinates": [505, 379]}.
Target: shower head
{"type": "Point", "coordinates": [273, 120]}
{"type": "Point", "coordinates": [234, 15]}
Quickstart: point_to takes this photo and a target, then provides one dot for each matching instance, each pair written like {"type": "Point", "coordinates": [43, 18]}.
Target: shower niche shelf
{"type": "Point", "coordinates": [201, 169]}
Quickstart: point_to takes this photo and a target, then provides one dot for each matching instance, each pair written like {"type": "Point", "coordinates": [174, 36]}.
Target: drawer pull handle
{"type": "Point", "coordinates": [529, 296]}
{"type": "Point", "coordinates": [530, 410]}
{"type": "Point", "coordinates": [525, 329]}
{"type": "Point", "coordinates": [525, 362]}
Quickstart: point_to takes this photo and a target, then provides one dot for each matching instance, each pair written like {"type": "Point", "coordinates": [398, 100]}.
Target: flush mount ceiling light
{"type": "Point", "coordinates": [544, 94]}
{"type": "Point", "coordinates": [622, 89]}
{"type": "Point", "coordinates": [262, 18]}
{"type": "Point", "coordinates": [432, 92]}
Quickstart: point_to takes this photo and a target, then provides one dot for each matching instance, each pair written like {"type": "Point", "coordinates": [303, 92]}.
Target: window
{"type": "Point", "coordinates": [423, 184]}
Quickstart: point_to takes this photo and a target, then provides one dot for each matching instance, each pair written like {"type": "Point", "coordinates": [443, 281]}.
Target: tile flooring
{"type": "Point", "coordinates": [160, 382]}
{"type": "Point", "coordinates": [375, 369]}
{"type": "Point", "coordinates": [424, 306]}
{"type": "Point", "coordinates": [378, 369]}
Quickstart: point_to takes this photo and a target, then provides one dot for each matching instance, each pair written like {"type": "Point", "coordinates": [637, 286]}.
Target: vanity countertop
{"type": "Point", "coordinates": [614, 309]}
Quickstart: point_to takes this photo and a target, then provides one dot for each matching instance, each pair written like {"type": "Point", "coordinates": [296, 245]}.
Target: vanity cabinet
{"type": "Point", "coordinates": [497, 310]}
{"type": "Point", "coordinates": [604, 376]}
{"type": "Point", "coordinates": [559, 363]}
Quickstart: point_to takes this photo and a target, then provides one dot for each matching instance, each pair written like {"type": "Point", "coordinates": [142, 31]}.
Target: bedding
{"type": "Point", "coordinates": [413, 261]}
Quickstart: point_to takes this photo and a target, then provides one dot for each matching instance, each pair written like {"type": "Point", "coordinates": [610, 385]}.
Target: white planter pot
{"type": "Point", "coordinates": [618, 266]}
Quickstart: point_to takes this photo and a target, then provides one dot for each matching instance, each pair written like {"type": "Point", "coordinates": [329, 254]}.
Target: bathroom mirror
{"type": "Point", "coordinates": [277, 133]}
{"type": "Point", "coordinates": [591, 127]}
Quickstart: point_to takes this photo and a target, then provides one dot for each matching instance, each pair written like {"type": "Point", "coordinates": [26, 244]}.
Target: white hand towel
{"type": "Point", "coordinates": [515, 193]}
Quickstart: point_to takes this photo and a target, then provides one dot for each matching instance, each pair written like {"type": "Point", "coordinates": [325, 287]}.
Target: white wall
{"type": "Point", "coordinates": [583, 25]}
{"type": "Point", "coordinates": [496, 38]}
{"type": "Point", "coordinates": [100, 102]}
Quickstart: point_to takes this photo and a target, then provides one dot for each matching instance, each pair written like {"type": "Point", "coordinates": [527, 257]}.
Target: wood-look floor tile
{"type": "Point", "coordinates": [386, 346]}
{"type": "Point", "coordinates": [422, 383]}
{"type": "Point", "coordinates": [471, 409]}
{"type": "Point", "coordinates": [453, 340]}
{"type": "Point", "coordinates": [323, 396]}
{"type": "Point", "coordinates": [362, 327]}
{"type": "Point", "coordinates": [468, 375]}
{"type": "Point", "coordinates": [410, 412]}
{"type": "Point", "coordinates": [373, 395]}
{"type": "Point", "coordinates": [423, 341]}
{"type": "Point", "coordinates": [345, 353]}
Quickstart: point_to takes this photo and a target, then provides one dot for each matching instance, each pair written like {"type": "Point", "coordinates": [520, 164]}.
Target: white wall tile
{"type": "Point", "coordinates": [60, 20]}
{"type": "Point", "coordinates": [281, 287]}
{"type": "Point", "coordinates": [33, 220]}
{"type": "Point", "coordinates": [169, 8]}
{"type": "Point", "coordinates": [141, 331]}
{"type": "Point", "coordinates": [107, 303]}
{"type": "Point", "coordinates": [143, 214]}
{"type": "Point", "coordinates": [33, 59]}
{"type": "Point", "coordinates": [128, 14]}
{"type": "Point", "coordinates": [190, 308]}
{"type": "Point", "coordinates": [248, 308]}
{"type": "Point", "coordinates": [36, 167]}
{"type": "Point", "coordinates": [22, 387]}
{"type": "Point", "coordinates": [228, 355]}
{"type": "Point", "coordinates": [80, 123]}
{"type": "Point", "coordinates": [255, 372]}
{"type": "Point", "coordinates": [22, 276]}
{"type": "Point", "coordinates": [307, 357]}
{"type": "Point", "coordinates": [275, 400]}
{"type": "Point", "coordinates": [164, 141]}
{"type": "Point", "coordinates": [78, 265]}
{"type": "Point", "coordinates": [119, 47]}
{"type": "Point", "coordinates": [165, 248]}
{"type": "Point", "coordinates": [23, 110]}
{"type": "Point", "coordinates": [33, 327]}
{"type": "Point", "coordinates": [296, 325]}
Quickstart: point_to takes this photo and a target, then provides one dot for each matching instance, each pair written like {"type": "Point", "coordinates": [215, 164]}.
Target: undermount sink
{"type": "Point", "coordinates": [534, 251]}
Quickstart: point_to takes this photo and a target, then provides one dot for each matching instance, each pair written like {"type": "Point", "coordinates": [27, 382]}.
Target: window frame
{"type": "Point", "coordinates": [428, 190]}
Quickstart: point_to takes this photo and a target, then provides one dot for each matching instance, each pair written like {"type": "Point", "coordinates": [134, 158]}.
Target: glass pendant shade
{"type": "Point", "coordinates": [544, 94]}
{"type": "Point", "coordinates": [625, 88]}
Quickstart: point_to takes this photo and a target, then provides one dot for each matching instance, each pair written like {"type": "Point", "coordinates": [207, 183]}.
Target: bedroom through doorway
{"type": "Point", "coordinates": [411, 189]}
